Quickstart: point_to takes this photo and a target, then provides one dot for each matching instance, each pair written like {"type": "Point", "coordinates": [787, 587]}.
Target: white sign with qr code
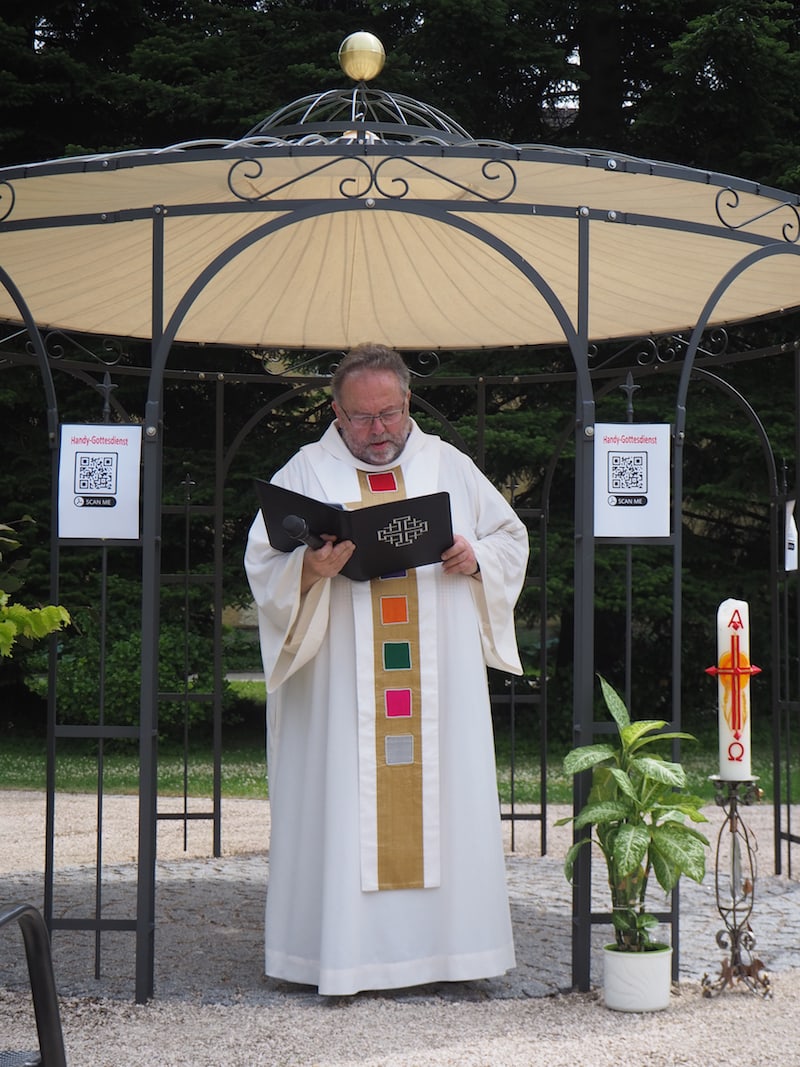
{"type": "Point", "coordinates": [632, 480]}
{"type": "Point", "coordinates": [98, 482]}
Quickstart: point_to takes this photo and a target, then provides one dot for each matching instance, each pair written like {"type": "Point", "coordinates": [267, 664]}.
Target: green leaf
{"type": "Point", "coordinates": [581, 759]}
{"type": "Point", "coordinates": [630, 848]}
{"type": "Point", "coordinates": [17, 620]}
{"type": "Point", "coordinates": [666, 873]}
{"type": "Point", "coordinates": [8, 635]}
{"type": "Point", "coordinates": [602, 813]}
{"type": "Point", "coordinates": [624, 920]}
{"type": "Point", "coordinates": [48, 619]}
{"type": "Point", "coordinates": [9, 542]}
{"type": "Point", "coordinates": [631, 734]}
{"type": "Point", "coordinates": [615, 704]}
{"type": "Point", "coordinates": [604, 787]}
{"type": "Point", "coordinates": [681, 807]}
{"type": "Point", "coordinates": [623, 783]}
{"type": "Point", "coordinates": [632, 928]}
{"type": "Point", "coordinates": [659, 770]}
{"type": "Point", "coordinates": [674, 735]}
{"type": "Point", "coordinates": [682, 847]}
{"type": "Point", "coordinates": [572, 855]}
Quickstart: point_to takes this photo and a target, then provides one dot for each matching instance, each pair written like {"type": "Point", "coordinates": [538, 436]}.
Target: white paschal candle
{"type": "Point", "coordinates": [733, 672]}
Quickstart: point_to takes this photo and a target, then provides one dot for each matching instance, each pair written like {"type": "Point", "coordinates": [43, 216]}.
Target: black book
{"type": "Point", "coordinates": [389, 537]}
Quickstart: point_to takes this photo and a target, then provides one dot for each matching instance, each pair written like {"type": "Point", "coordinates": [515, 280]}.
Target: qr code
{"type": "Point", "coordinates": [96, 472]}
{"type": "Point", "coordinates": [627, 472]}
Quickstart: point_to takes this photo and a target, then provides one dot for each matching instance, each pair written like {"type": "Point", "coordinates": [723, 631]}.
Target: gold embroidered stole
{"type": "Point", "coordinates": [397, 709]}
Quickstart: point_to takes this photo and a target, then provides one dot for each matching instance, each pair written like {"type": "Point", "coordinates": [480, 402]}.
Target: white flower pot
{"type": "Point", "coordinates": [637, 981]}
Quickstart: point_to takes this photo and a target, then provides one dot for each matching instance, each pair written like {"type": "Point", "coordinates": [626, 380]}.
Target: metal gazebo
{"type": "Point", "coordinates": [359, 215]}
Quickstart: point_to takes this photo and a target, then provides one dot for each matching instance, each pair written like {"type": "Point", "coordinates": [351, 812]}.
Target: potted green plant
{"type": "Point", "coordinates": [636, 812]}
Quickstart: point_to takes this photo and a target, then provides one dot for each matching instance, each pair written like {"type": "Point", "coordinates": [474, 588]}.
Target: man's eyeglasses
{"type": "Point", "coordinates": [388, 418]}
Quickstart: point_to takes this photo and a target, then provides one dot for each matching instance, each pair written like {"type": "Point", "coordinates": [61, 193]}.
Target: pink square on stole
{"type": "Point", "coordinates": [398, 703]}
{"type": "Point", "coordinates": [382, 483]}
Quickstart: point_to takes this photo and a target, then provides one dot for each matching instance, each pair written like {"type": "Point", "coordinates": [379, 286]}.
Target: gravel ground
{"type": "Point", "coordinates": [213, 1005]}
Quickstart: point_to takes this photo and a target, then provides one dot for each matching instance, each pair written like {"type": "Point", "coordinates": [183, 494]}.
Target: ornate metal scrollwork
{"type": "Point", "coordinates": [729, 199]}
{"type": "Point", "coordinates": [283, 361]}
{"type": "Point", "coordinates": [661, 351]}
{"type": "Point", "coordinates": [425, 364]}
{"type": "Point", "coordinates": [501, 166]}
{"type": "Point", "coordinates": [251, 169]}
{"type": "Point", "coordinates": [714, 343]}
{"type": "Point", "coordinates": [278, 362]}
{"type": "Point", "coordinates": [667, 349]}
{"type": "Point", "coordinates": [246, 171]}
{"type": "Point", "coordinates": [645, 350]}
{"type": "Point", "coordinates": [56, 343]}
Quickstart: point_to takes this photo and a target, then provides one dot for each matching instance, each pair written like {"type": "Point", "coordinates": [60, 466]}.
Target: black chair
{"type": "Point", "coordinates": [43, 990]}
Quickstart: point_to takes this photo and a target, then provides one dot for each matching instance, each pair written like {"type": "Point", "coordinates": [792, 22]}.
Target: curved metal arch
{"type": "Point", "coordinates": [254, 420]}
{"type": "Point", "coordinates": [443, 421]}
{"type": "Point", "coordinates": [39, 350]}
{"type": "Point", "coordinates": [730, 276]}
{"type": "Point", "coordinates": [445, 216]}
{"type": "Point", "coordinates": [687, 370]}
{"type": "Point", "coordinates": [717, 382]}
{"type": "Point", "coordinates": [753, 417]}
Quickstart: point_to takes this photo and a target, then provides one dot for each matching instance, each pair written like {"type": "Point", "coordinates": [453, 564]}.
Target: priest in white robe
{"type": "Point", "coordinates": [386, 864]}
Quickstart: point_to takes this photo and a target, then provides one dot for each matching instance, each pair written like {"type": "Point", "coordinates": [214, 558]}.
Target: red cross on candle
{"type": "Point", "coordinates": [735, 666]}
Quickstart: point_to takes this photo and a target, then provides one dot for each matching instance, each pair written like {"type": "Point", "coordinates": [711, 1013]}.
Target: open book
{"type": "Point", "coordinates": [389, 537]}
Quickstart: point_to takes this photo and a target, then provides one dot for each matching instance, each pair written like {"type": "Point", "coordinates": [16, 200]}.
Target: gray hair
{"type": "Point", "coordinates": [370, 357]}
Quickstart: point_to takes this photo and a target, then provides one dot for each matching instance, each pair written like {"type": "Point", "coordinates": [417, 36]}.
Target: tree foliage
{"type": "Point", "coordinates": [708, 85]}
{"type": "Point", "coordinates": [17, 620]}
{"type": "Point", "coordinates": [705, 84]}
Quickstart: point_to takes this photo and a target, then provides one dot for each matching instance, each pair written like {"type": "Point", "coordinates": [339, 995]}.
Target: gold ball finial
{"type": "Point", "coordinates": [361, 56]}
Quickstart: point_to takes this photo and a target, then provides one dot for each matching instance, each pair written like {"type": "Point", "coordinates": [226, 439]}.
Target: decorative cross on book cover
{"type": "Point", "coordinates": [390, 537]}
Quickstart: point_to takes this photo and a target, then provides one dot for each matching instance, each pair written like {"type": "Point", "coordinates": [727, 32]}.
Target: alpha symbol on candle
{"type": "Point", "coordinates": [735, 671]}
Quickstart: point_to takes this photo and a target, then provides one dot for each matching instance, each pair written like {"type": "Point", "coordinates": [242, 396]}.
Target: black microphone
{"type": "Point", "coordinates": [298, 529]}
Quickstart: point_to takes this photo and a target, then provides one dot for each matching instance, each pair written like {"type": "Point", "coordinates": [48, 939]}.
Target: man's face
{"type": "Point", "coordinates": [373, 393]}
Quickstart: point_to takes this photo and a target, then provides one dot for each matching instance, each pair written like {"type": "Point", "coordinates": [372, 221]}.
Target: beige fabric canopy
{"type": "Point", "coordinates": [418, 246]}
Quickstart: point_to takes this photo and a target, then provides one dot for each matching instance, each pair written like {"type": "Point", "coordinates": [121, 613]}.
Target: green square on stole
{"type": "Point", "coordinates": [396, 656]}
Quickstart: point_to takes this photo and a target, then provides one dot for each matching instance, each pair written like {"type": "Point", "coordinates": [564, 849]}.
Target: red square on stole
{"type": "Point", "coordinates": [398, 703]}
{"type": "Point", "coordinates": [385, 482]}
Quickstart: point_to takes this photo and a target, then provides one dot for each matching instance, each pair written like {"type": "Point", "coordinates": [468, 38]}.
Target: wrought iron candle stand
{"type": "Point", "coordinates": [735, 890]}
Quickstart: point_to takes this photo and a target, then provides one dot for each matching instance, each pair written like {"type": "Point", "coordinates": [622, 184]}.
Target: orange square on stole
{"type": "Point", "coordinates": [394, 609]}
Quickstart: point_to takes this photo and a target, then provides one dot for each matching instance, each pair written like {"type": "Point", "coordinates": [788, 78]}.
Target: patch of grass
{"type": "Point", "coordinates": [244, 772]}
{"type": "Point", "coordinates": [22, 766]}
